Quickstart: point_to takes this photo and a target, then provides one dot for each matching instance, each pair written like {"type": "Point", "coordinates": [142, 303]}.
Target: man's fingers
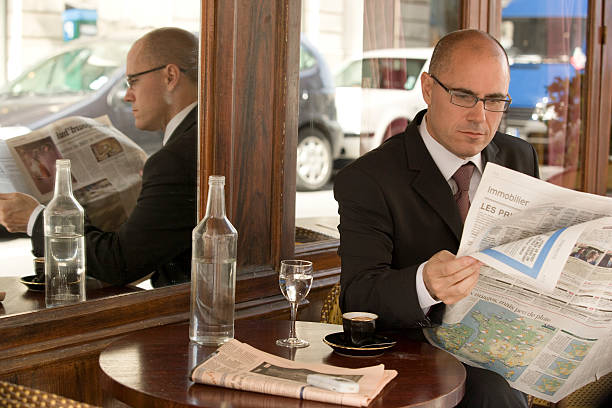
{"type": "Point", "coordinates": [448, 278]}
{"type": "Point", "coordinates": [459, 275]}
{"type": "Point", "coordinates": [451, 267]}
{"type": "Point", "coordinates": [461, 289]}
{"type": "Point", "coordinates": [15, 211]}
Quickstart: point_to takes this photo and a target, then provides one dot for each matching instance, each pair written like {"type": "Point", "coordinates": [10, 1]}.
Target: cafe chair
{"type": "Point", "coordinates": [591, 395]}
{"type": "Point", "coordinates": [18, 396]}
{"type": "Point", "coordinates": [330, 312]}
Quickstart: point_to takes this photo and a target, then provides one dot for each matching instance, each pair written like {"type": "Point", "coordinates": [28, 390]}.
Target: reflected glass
{"type": "Point", "coordinates": [46, 76]}
{"type": "Point", "coordinates": [546, 43]}
{"type": "Point", "coordinates": [371, 53]}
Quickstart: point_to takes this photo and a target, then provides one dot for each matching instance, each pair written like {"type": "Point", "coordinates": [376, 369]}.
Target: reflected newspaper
{"type": "Point", "coordinates": [106, 166]}
{"type": "Point", "coordinates": [240, 366]}
{"type": "Point", "coordinates": [541, 313]}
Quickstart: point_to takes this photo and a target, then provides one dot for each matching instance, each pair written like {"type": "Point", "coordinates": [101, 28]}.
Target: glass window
{"type": "Point", "coordinates": [307, 60]}
{"type": "Point", "coordinates": [546, 45]}
{"type": "Point", "coordinates": [391, 73]}
{"type": "Point", "coordinates": [376, 51]}
{"type": "Point", "coordinates": [351, 75]}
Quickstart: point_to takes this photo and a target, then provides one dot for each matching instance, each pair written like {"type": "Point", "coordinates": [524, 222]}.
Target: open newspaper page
{"type": "Point", "coordinates": [106, 166]}
{"type": "Point", "coordinates": [240, 366]}
{"type": "Point", "coordinates": [11, 179]}
{"type": "Point", "coordinates": [541, 313]}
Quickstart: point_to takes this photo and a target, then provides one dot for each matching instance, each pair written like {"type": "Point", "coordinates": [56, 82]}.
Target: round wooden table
{"type": "Point", "coordinates": [151, 368]}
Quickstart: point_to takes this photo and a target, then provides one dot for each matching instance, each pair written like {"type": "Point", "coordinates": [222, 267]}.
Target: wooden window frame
{"type": "Point", "coordinates": [271, 30]}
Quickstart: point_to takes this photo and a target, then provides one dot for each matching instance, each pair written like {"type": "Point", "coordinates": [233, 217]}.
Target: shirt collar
{"type": "Point", "coordinates": [175, 121]}
{"type": "Point", "coordinates": [446, 161]}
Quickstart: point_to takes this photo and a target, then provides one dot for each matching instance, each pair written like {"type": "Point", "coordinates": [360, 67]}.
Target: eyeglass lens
{"type": "Point", "coordinates": [468, 101]}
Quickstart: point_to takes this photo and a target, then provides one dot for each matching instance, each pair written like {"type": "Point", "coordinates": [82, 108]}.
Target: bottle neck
{"type": "Point", "coordinates": [63, 181]}
{"type": "Point", "coordinates": [215, 204]}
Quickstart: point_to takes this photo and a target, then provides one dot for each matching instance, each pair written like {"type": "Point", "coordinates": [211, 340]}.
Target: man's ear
{"type": "Point", "coordinates": [426, 87]}
{"type": "Point", "coordinates": [173, 73]}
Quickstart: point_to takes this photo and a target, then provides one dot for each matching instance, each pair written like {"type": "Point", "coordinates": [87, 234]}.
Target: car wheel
{"type": "Point", "coordinates": [314, 160]}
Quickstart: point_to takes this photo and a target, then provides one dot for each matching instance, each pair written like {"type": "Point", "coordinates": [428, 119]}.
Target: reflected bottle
{"type": "Point", "coordinates": [213, 271]}
{"type": "Point", "coordinates": [64, 242]}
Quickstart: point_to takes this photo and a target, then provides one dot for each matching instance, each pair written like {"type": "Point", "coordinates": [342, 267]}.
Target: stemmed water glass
{"type": "Point", "coordinates": [295, 280]}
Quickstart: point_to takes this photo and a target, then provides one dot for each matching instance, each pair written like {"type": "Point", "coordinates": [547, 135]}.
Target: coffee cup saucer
{"type": "Point", "coordinates": [372, 349]}
{"type": "Point", "coordinates": [32, 283]}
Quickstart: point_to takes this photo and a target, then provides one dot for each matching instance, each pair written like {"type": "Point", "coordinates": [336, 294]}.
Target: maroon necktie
{"type": "Point", "coordinates": [462, 177]}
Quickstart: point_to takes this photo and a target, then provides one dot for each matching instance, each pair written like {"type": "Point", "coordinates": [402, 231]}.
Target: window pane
{"type": "Point", "coordinates": [546, 44]}
{"type": "Point", "coordinates": [350, 76]}
{"type": "Point", "coordinates": [376, 50]}
{"type": "Point", "coordinates": [307, 60]}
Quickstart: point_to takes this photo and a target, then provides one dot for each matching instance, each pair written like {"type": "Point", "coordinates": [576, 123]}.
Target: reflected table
{"type": "Point", "coordinates": [20, 299]}
{"type": "Point", "coordinates": [150, 368]}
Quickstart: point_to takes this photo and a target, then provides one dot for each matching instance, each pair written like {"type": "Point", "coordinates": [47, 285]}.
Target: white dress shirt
{"type": "Point", "coordinates": [170, 128]}
{"type": "Point", "coordinates": [448, 164]}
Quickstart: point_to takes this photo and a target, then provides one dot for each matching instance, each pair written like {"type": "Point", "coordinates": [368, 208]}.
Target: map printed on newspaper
{"type": "Point", "coordinates": [541, 313]}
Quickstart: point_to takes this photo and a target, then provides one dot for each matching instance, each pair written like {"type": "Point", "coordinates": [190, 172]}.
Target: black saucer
{"type": "Point", "coordinates": [337, 342]}
{"type": "Point", "coordinates": [32, 284]}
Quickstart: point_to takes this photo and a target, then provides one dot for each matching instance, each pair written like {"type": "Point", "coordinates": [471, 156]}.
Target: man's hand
{"type": "Point", "coordinates": [15, 210]}
{"type": "Point", "coordinates": [450, 279]}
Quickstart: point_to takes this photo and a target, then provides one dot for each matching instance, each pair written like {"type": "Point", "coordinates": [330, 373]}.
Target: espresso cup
{"type": "Point", "coordinates": [359, 328]}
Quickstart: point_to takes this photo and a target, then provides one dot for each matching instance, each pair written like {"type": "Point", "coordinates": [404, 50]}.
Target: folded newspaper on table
{"type": "Point", "coordinates": [106, 166]}
{"type": "Point", "coordinates": [240, 366]}
{"type": "Point", "coordinates": [541, 313]}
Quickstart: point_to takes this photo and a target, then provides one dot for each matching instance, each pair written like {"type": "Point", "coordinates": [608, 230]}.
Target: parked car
{"type": "Point", "coordinates": [377, 94]}
{"type": "Point", "coordinates": [87, 79]}
{"type": "Point", "coordinates": [84, 79]}
{"type": "Point", "coordinates": [320, 137]}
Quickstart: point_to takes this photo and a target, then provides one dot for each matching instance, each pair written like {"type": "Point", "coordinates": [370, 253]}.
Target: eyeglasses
{"type": "Point", "coordinates": [466, 100]}
{"type": "Point", "coordinates": [130, 78]}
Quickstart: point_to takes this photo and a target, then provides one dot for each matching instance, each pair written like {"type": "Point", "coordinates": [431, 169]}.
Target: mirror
{"type": "Point", "coordinates": [46, 77]}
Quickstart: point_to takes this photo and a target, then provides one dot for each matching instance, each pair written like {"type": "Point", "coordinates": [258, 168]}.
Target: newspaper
{"type": "Point", "coordinates": [541, 313]}
{"type": "Point", "coordinates": [240, 366]}
{"type": "Point", "coordinates": [106, 166]}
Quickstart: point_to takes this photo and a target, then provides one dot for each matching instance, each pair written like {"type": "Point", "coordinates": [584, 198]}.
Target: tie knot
{"type": "Point", "coordinates": [463, 175]}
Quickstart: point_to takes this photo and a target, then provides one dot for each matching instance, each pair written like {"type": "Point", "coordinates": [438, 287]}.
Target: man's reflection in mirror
{"type": "Point", "coordinates": [155, 241]}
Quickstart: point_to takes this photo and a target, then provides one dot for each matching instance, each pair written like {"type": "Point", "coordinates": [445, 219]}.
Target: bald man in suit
{"type": "Point", "coordinates": [400, 225]}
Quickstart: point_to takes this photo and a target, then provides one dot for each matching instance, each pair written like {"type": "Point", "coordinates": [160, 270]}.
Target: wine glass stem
{"type": "Point", "coordinates": [294, 306]}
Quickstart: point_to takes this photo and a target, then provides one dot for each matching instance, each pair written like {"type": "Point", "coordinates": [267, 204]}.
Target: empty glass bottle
{"type": "Point", "coordinates": [213, 271]}
{"type": "Point", "coordinates": [64, 242]}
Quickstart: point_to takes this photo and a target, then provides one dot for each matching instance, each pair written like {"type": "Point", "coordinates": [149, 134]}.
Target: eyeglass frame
{"type": "Point", "coordinates": [476, 99]}
{"type": "Point", "coordinates": [129, 78]}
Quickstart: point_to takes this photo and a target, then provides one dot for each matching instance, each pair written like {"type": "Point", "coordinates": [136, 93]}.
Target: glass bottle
{"type": "Point", "coordinates": [64, 242]}
{"type": "Point", "coordinates": [213, 271]}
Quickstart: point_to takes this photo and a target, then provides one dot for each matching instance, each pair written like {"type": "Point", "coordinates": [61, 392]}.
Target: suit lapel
{"type": "Point", "coordinates": [190, 120]}
{"type": "Point", "coordinates": [428, 181]}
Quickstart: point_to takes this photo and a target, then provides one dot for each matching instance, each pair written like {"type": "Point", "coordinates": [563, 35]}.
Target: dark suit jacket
{"type": "Point", "coordinates": [157, 235]}
{"type": "Point", "coordinates": [396, 211]}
